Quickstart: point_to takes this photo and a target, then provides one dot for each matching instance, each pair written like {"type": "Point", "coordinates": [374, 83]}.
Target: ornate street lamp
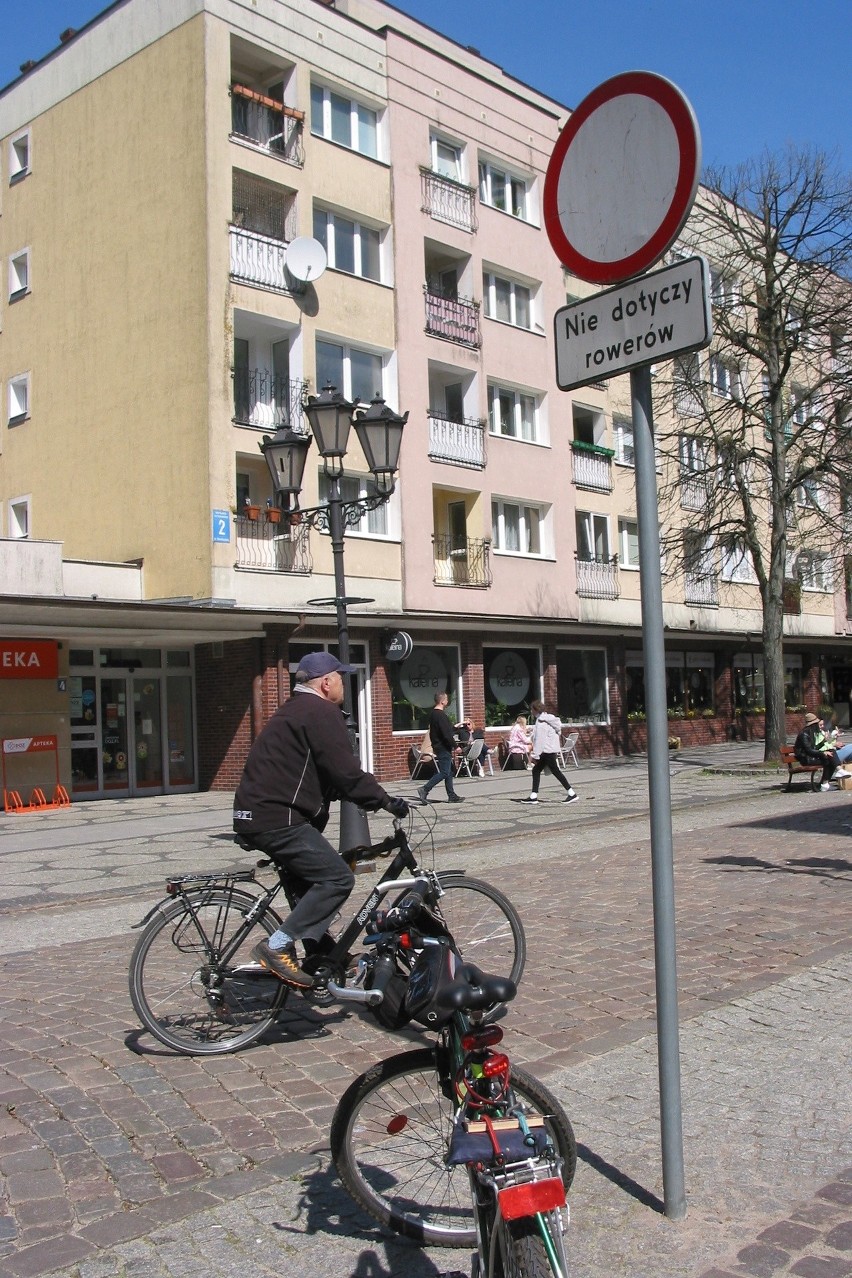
{"type": "Point", "coordinates": [379, 430]}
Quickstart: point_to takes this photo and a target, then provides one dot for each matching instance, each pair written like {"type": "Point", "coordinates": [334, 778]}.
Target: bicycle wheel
{"type": "Point", "coordinates": [519, 1250]}
{"type": "Point", "coordinates": [183, 996]}
{"type": "Point", "coordinates": [485, 925]}
{"type": "Point", "coordinates": [389, 1137]}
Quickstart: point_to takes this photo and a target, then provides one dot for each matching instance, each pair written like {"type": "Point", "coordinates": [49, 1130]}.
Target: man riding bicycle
{"type": "Point", "coordinates": [300, 763]}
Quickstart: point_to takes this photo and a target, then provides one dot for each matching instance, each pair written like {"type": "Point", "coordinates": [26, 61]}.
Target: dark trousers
{"type": "Point", "coordinates": [548, 761]}
{"type": "Point", "coordinates": [318, 879]}
{"type": "Point", "coordinates": [830, 764]}
{"type": "Point", "coordinates": [444, 764]}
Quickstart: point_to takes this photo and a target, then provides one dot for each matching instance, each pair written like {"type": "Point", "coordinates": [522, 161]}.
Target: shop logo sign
{"type": "Point", "coordinates": [29, 659]}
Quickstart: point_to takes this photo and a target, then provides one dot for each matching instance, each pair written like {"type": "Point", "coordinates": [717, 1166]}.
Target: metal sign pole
{"type": "Point", "coordinates": [659, 793]}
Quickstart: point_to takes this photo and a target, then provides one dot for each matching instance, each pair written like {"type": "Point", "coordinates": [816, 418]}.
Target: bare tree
{"type": "Point", "coordinates": [756, 438]}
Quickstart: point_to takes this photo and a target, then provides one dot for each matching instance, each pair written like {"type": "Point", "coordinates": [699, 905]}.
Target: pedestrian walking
{"type": "Point", "coordinates": [443, 748]}
{"type": "Point", "coordinates": [546, 740]}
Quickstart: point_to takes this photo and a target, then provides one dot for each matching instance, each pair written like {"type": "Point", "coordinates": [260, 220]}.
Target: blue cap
{"type": "Point", "coordinates": [317, 664]}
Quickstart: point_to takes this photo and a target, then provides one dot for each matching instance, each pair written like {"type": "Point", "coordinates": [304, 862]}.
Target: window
{"type": "Point", "coordinates": [517, 529]}
{"type": "Point", "coordinates": [18, 408]}
{"type": "Point", "coordinates": [507, 301]}
{"type": "Point", "coordinates": [374, 523]}
{"type": "Point", "coordinates": [628, 543]}
{"type": "Point", "coordinates": [350, 246]}
{"type": "Point", "coordinates": [357, 374]}
{"type": "Point", "coordinates": [20, 157]}
{"type": "Point", "coordinates": [592, 538]}
{"type": "Point", "coordinates": [503, 191]}
{"type": "Point", "coordinates": [749, 688]}
{"type": "Point", "coordinates": [794, 695]}
{"type": "Point", "coordinates": [693, 454]}
{"type": "Point", "coordinates": [446, 158]}
{"type": "Point", "coordinates": [686, 378]}
{"type": "Point", "coordinates": [19, 517]}
{"type": "Point", "coordinates": [622, 430]}
{"type": "Point", "coordinates": [581, 685]}
{"type": "Point", "coordinates": [737, 563]}
{"type": "Point", "coordinates": [512, 413]}
{"type": "Point", "coordinates": [415, 681]}
{"type": "Point", "coordinates": [815, 572]}
{"type": "Point", "coordinates": [342, 120]}
{"type": "Point", "coordinates": [19, 274]}
{"type": "Point", "coordinates": [724, 291]}
{"type": "Point", "coordinates": [512, 680]}
{"type": "Point", "coordinates": [724, 378]}
{"type": "Point", "coordinates": [810, 494]}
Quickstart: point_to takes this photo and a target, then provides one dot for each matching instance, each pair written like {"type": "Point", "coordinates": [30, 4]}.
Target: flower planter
{"type": "Point", "coordinates": [252, 512]}
{"type": "Point", "coordinates": [273, 515]}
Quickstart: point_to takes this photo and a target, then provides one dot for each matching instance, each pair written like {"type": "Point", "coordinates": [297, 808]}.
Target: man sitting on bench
{"type": "Point", "coordinates": [813, 746]}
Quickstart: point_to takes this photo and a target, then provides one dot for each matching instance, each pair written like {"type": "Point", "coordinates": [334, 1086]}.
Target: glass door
{"type": "Point", "coordinates": [146, 737]}
{"type": "Point", "coordinates": [114, 735]}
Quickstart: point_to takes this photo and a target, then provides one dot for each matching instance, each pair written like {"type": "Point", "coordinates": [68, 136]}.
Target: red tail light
{"type": "Point", "coordinates": [488, 1036]}
{"type": "Point", "coordinates": [496, 1064]}
{"type": "Point", "coordinates": [526, 1200]}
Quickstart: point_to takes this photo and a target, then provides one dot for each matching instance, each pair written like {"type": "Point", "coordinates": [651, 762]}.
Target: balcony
{"type": "Point", "coordinates": [461, 443]}
{"type": "Point", "coordinates": [260, 260]}
{"type": "Point", "coordinates": [592, 466]}
{"type": "Point", "coordinates": [701, 590]}
{"type": "Point", "coordinates": [466, 563]}
{"type": "Point", "coordinates": [448, 201]}
{"type": "Point", "coordinates": [597, 578]}
{"type": "Point", "coordinates": [267, 124]}
{"type": "Point", "coordinates": [261, 399]}
{"type": "Point", "coordinates": [693, 491]}
{"type": "Point", "coordinates": [272, 547]}
{"type": "Point", "coordinates": [456, 319]}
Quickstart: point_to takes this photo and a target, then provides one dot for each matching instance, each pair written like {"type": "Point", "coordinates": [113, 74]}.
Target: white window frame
{"type": "Point", "coordinates": [724, 378]}
{"type": "Point", "coordinates": [490, 280]}
{"type": "Point", "coordinates": [810, 495]}
{"type": "Point", "coordinates": [453, 172]}
{"type": "Point", "coordinates": [498, 389]}
{"type": "Point", "coordinates": [686, 384]}
{"type": "Point", "coordinates": [381, 524]}
{"type": "Point", "coordinates": [530, 515]}
{"type": "Point", "coordinates": [628, 538]}
{"type": "Point", "coordinates": [815, 572]}
{"type": "Point", "coordinates": [622, 434]}
{"type": "Point", "coordinates": [724, 289]}
{"type": "Point", "coordinates": [20, 284]}
{"type": "Point", "coordinates": [497, 190]}
{"type": "Point", "coordinates": [361, 229]}
{"type": "Point", "coordinates": [18, 399]}
{"type": "Point", "coordinates": [693, 452]}
{"type": "Point", "coordinates": [595, 523]}
{"type": "Point", "coordinates": [737, 565]}
{"type": "Point", "coordinates": [19, 521]}
{"type": "Point", "coordinates": [348, 348]}
{"type": "Point", "coordinates": [355, 108]}
{"type": "Point", "coordinates": [20, 156]}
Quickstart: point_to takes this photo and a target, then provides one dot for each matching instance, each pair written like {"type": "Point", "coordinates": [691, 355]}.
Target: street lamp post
{"type": "Point", "coordinates": [379, 432]}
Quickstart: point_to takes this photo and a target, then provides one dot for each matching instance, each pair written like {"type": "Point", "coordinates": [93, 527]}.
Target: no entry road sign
{"type": "Point", "coordinates": [622, 177]}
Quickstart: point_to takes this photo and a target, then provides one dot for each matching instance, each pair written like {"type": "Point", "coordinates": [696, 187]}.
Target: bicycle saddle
{"type": "Point", "coordinates": [472, 990]}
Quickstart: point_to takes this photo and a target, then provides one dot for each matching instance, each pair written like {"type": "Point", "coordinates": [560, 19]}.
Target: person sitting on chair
{"type": "Point", "coordinates": [519, 744]}
{"type": "Point", "coordinates": [813, 746]}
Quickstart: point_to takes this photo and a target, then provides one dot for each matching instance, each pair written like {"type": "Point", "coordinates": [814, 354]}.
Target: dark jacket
{"type": "Point", "coordinates": [441, 731]}
{"type": "Point", "coordinates": [812, 745]}
{"type": "Point", "coordinates": [301, 761]}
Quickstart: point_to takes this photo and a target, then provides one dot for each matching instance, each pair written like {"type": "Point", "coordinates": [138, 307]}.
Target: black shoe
{"type": "Point", "coordinates": [422, 795]}
{"type": "Point", "coordinates": [572, 798]}
{"type": "Point", "coordinates": [283, 964]}
{"type": "Point", "coordinates": [455, 798]}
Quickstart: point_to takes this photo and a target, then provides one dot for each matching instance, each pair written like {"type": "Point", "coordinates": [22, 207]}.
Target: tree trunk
{"type": "Point", "coordinates": [773, 676]}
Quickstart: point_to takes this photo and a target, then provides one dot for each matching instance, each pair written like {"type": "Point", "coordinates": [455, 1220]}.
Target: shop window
{"type": "Point", "coordinates": [749, 688]}
{"type": "Point", "coordinates": [581, 686]}
{"type": "Point", "coordinates": [415, 681]}
{"type": "Point", "coordinates": [512, 680]}
{"type": "Point", "coordinates": [794, 692]}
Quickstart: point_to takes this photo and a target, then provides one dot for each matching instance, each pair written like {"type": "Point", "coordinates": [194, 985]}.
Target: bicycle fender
{"type": "Point", "coordinates": [158, 908]}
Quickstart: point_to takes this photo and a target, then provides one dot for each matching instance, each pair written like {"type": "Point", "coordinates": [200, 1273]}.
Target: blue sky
{"type": "Point", "coordinates": [759, 73]}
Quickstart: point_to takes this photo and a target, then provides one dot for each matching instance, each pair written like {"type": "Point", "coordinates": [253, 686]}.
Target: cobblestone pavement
{"type": "Point", "coordinates": [120, 1158]}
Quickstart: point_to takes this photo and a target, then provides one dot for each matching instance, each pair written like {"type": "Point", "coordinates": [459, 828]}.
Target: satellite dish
{"type": "Point", "coordinates": [306, 258]}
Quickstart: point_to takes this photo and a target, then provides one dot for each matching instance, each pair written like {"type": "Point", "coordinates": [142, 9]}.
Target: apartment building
{"type": "Point", "coordinates": [155, 168]}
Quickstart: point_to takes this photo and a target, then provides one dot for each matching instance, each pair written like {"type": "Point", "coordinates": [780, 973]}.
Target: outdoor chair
{"type": "Point", "coordinates": [568, 750]}
{"type": "Point", "coordinates": [470, 754]}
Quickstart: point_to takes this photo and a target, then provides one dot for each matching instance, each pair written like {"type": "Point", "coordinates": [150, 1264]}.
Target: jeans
{"type": "Point", "coordinates": [844, 753]}
{"type": "Point", "coordinates": [444, 764]}
{"type": "Point", "coordinates": [316, 874]}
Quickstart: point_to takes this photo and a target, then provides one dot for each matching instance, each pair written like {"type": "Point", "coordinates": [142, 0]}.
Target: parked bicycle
{"type": "Point", "coordinates": [193, 982]}
{"type": "Point", "coordinates": [452, 1145]}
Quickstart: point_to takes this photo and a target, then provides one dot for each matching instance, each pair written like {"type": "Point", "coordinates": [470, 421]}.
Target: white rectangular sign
{"type": "Point", "coordinates": [647, 320]}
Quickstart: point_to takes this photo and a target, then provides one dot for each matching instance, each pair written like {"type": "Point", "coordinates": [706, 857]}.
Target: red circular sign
{"type": "Point", "coordinates": [622, 177]}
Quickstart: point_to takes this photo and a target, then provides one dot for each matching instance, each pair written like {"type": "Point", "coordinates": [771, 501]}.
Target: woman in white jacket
{"type": "Point", "coordinates": [546, 741]}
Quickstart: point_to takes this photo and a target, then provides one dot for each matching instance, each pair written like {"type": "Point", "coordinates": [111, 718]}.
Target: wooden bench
{"type": "Point", "coordinates": [793, 765]}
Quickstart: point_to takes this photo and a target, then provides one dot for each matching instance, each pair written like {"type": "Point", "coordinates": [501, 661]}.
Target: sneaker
{"type": "Point", "coordinates": [283, 964]}
{"type": "Point", "coordinates": [421, 794]}
{"type": "Point", "coordinates": [572, 798]}
{"type": "Point", "coordinates": [841, 772]}
{"type": "Point", "coordinates": [825, 786]}
{"type": "Point", "coordinates": [455, 798]}
{"type": "Point", "coordinates": [533, 798]}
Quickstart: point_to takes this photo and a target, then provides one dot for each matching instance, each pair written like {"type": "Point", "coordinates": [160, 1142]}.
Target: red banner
{"type": "Point", "coordinates": [29, 658]}
{"type": "Point", "coordinates": [28, 745]}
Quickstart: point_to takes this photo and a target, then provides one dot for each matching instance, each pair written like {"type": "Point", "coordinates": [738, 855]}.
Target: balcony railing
{"type": "Point", "coordinates": [597, 578]}
{"type": "Point", "coordinates": [261, 399]}
{"type": "Point", "coordinates": [267, 124]}
{"type": "Point", "coordinates": [701, 590]}
{"type": "Point", "coordinates": [693, 491]}
{"type": "Point", "coordinates": [462, 443]}
{"type": "Point", "coordinates": [592, 466]}
{"type": "Point", "coordinates": [465, 563]}
{"type": "Point", "coordinates": [277, 547]}
{"type": "Point", "coordinates": [259, 260]}
{"type": "Point", "coordinates": [454, 318]}
{"type": "Point", "coordinates": [448, 201]}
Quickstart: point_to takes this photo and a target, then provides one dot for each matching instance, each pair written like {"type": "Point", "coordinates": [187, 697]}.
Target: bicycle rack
{"type": "Point", "coordinates": [11, 748]}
